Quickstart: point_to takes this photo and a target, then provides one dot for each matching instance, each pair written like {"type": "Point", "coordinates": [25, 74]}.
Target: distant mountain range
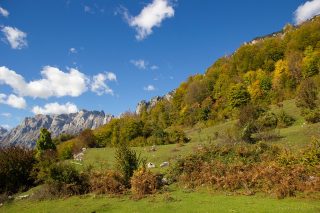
{"type": "Point", "coordinates": [27, 133]}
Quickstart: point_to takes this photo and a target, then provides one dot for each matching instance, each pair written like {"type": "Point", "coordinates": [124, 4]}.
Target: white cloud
{"type": "Point", "coordinates": [99, 85]}
{"type": "Point", "coordinates": [150, 16]}
{"type": "Point", "coordinates": [4, 12]}
{"type": "Point", "coordinates": [73, 50]}
{"type": "Point", "coordinates": [15, 37]}
{"type": "Point", "coordinates": [149, 88]}
{"type": "Point", "coordinates": [13, 101]}
{"type": "Point", "coordinates": [111, 76]}
{"type": "Point", "coordinates": [87, 9]}
{"type": "Point", "coordinates": [307, 11]}
{"type": "Point", "coordinates": [6, 114]}
{"type": "Point", "coordinates": [140, 64]}
{"type": "Point", "coordinates": [154, 67]}
{"type": "Point", "coordinates": [55, 108]}
{"type": "Point", "coordinates": [54, 82]}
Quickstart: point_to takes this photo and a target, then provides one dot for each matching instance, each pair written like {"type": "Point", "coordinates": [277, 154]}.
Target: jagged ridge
{"type": "Point", "coordinates": [27, 132]}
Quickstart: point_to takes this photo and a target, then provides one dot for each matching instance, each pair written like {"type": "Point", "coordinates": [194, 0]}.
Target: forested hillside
{"type": "Point", "coordinates": [265, 71]}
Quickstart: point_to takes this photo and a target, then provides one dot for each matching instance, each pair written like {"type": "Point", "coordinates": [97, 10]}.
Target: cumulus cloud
{"type": "Point", "coordinates": [307, 11]}
{"type": "Point", "coordinates": [73, 50]}
{"type": "Point", "coordinates": [99, 85]}
{"type": "Point", "coordinates": [54, 82]}
{"type": "Point", "coordinates": [111, 76]}
{"type": "Point", "coordinates": [150, 16]}
{"type": "Point", "coordinates": [149, 88]}
{"type": "Point", "coordinates": [15, 37]}
{"type": "Point", "coordinates": [13, 101]}
{"type": "Point", "coordinates": [55, 108]}
{"type": "Point", "coordinates": [140, 64]}
{"type": "Point", "coordinates": [4, 12]}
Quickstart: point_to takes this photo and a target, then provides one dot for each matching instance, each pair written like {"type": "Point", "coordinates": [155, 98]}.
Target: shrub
{"type": "Point", "coordinates": [144, 182]}
{"type": "Point", "coordinates": [127, 161]}
{"type": "Point", "coordinates": [45, 160]}
{"type": "Point", "coordinates": [311, 115]}
{"type": "Point", "coordinates": [16, 165]}
{"type": "Point", "coordinates": [65, 150]}
{"type": "Point", "coordinates": [249, 113]}
{"type": "Point", "coordinates": [87, 139]}
{"type": "Point", "coordinates": [247, 132]}
{"type": "Point", "coordinates": [177, 135]}
{"type": "Point", "coordinates": [249, 169]}
{"type": "Point", "coordinates": [139, 141]}
{"type": "Point", "coordinates": [108, 182]}
{"type": "Point", "coordinates": [284, 120]}
{"type": "Point", "coordinates": [65, 180]}
{"type": "Point", "coordinates": [229, 135]}
{"type": "Point", "coordinates": [62, 138]}
{"type": "Point", "coordinates": [307, 94]}
{"type": "Point", "coordinates": [267, 121]}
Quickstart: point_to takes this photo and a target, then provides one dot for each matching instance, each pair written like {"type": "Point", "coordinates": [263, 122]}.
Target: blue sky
{"type": "Point", "coordinates": [119, 52]}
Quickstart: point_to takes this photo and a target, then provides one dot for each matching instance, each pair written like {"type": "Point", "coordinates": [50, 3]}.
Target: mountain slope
{"type": "Point", "coordinates": [3, 132]}
{"type": "Point", "coordinates": [27, 132]}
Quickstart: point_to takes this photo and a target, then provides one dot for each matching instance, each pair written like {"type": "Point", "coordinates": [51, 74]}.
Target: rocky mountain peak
{"type": "Point", "coordinates": [3, 132]}
{"type": "Point", "coordinates": [27, 133]}
{"type": "Point", "coordinates": [153, 101]}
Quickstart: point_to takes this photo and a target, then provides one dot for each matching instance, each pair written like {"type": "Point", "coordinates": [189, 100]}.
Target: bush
{"type": "Point", "coordinates": [285, 120]}
{"type": "Point", "coordinates": [87, 139]}
{"type": "Point", "coordinates": [65, 150]}
{"type": "Point", "coordinates": [42, 167]}
{"type": "Point", "coordinates": [247, 132]}
{"type": "Point", "coordinates": [249, 169]}
{"type": "Point", "coordinates": [307, 94]}
{"type": "Point", "coordinates": [16, 165]}
{"type": "Point", "coordinates": [62, 138]}
{"type": "Point", "coordinates": [144, 182]}
{"type": "Point", "coordinates": [267, 121]}
{"type": "Point", "coordinates": [177, 135]}
{"type": "Point", "coordinates": [311, 115]}
{"type": "Point", "coordinates": [108, 182]}
{"type": "Point", "coordinates": [127, 161]}
{"type": "Point", "coordinates": [65, 180]}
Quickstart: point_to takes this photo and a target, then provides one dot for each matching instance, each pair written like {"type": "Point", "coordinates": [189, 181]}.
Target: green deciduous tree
{"type": "Point", "coordinates": [127, 161]}
{"type": "Point", "coordinates": [239, 96]}
{"type": "Point", "coordinates": [310, 63]}
{"type": "Point", "coordinates": [44, 141]}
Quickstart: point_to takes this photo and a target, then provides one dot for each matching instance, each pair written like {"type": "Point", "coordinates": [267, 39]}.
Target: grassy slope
{"type": "Point", "coordinates": [176, 201]}
{"type": "Point", "coordinates": [295, 137]}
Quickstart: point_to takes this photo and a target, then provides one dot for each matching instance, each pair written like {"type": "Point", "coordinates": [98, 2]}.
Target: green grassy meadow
{"type": "Point", "coordinates": [176, 199]}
